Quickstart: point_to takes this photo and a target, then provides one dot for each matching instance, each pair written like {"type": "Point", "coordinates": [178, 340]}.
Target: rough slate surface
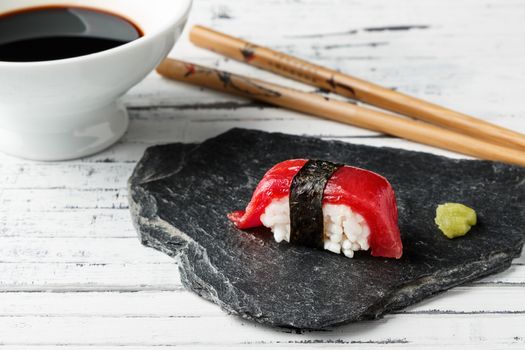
{"type": "Point", "coordinates": [180, 195]}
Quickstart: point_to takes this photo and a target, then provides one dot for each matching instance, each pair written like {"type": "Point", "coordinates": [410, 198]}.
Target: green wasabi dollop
{"type": "Point", "coordinates": [455, 219]}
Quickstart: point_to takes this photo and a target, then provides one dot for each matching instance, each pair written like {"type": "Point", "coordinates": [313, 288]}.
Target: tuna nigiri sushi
{"type": "Point", "coordinates": [325, 205]}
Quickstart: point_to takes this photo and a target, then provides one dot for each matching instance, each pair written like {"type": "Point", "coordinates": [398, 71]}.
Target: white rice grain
{"type": "Point", "coordinates": [345, 231]}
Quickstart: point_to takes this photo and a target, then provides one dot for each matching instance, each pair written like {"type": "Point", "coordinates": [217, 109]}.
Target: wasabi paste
{"type": "Point", "coordinates": [455, 219]}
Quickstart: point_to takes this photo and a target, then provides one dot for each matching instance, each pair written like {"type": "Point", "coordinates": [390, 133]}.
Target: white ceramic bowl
{"type": "Point", "coordinates": [69, 108]}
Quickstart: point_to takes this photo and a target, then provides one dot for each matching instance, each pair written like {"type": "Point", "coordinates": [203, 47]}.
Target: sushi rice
{"type": "Point", "coordinates": [344, 230]}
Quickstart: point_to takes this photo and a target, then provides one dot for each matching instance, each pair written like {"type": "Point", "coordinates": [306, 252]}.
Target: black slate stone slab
{"type": "Point", "coordinates": [180, 195]}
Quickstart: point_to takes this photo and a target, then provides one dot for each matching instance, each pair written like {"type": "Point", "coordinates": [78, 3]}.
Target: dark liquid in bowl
{"type": "Point", "coordinates": [53, 33]}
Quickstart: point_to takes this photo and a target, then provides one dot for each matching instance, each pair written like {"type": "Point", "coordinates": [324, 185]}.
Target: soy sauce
{"type": "Point", "coordinates": [53, 33]}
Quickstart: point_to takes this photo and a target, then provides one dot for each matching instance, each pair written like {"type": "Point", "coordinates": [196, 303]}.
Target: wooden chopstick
{"type": "Point", "coordinates": [341, 111]}
{"type": "Point", "coordinates": [352, 87]}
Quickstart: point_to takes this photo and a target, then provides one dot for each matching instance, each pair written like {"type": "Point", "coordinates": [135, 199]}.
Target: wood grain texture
{"type": "Point", "coordinates": [73, 274]}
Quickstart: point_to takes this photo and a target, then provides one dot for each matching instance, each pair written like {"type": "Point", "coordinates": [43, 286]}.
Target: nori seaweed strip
{"type": "Point", "coordinates": [306, 202]}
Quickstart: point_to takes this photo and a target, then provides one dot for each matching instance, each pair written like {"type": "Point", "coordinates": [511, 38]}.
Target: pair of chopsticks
{"type": "Point", "coordinates": [437, 126]}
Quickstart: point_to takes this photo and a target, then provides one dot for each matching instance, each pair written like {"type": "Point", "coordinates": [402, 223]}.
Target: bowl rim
{"type": "Point", "coordinates": [175, 21]}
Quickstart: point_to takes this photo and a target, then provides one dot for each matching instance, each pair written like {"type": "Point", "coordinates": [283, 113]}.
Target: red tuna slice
{"type": "Point", "coordinates": [275, 184]}
{"type": "Point", "coordinates": [365, 192]}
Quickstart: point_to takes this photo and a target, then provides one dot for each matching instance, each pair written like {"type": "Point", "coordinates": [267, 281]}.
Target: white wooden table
{"type": "Point", "coordinates": [72, 272]}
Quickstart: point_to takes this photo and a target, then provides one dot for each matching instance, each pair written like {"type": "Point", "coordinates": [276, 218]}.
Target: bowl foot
{"type": "Point", "coordinates": [96, 130]}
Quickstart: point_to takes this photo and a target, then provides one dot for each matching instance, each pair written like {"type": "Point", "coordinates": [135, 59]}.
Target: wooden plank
{"type": "Point", "coordinates": [61, 200]}
{"type": "Point", "coordinates": [71, 223]}
{"type": "Point", "coordinates": [182, 303]}
{"type": "Point", "coordinates": [108, 304]}
{"type": "Point", "coordinates": [81, 250]}
{"type": "Point", "coordinates": [60, 176]}
{"type": "Point", "coordinates": [89, 276]}
{"type": "Point", "coordinates": [223, 331]}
